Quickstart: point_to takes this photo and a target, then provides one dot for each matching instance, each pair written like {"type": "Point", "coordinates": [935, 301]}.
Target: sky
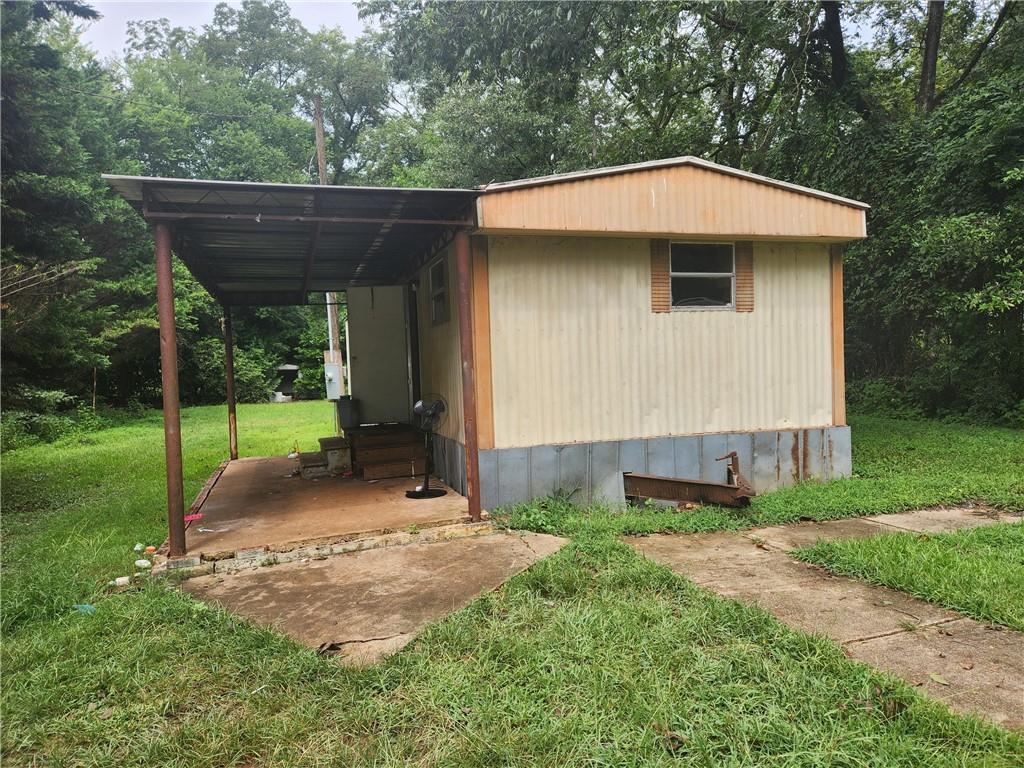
{"type": "Point", "coordinates": [107, 35]}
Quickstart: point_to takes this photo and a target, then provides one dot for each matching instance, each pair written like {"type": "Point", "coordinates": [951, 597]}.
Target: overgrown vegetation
{"type": "Point", "coordinates": [979, 572]}
{"type": "Point", "coordinates": [913, 108]}
{"type": "Point", "coordinates": [594, 656]}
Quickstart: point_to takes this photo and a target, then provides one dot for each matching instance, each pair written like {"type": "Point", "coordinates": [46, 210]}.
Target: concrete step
{"type": "Point", "coordinates": [312, 459]}
{"type": "Point", "coordinates": [313, 465]}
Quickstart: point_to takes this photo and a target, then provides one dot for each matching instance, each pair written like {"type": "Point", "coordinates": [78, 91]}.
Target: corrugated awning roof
{"type": "Point", "coordinates": [257, 243]}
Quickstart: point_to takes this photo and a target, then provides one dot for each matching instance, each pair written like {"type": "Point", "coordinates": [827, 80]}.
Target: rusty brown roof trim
{"type": "Point", "coordinates": [671, 162]}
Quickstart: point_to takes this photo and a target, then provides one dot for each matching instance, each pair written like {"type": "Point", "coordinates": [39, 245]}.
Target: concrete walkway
{"type": "Point", "coordinates": [974, 667]}
{"type": "Point", "coordinates": [366, 604]}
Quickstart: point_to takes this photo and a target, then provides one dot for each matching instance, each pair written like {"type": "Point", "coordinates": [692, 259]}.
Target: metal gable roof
{"type": "Point", "coordinates": [671, 162]}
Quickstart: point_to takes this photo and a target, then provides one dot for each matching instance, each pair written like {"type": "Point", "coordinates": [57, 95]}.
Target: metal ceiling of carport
{"type": "Point", "coordinates": [264, 244]}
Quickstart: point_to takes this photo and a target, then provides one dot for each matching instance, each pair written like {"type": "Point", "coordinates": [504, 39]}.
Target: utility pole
{"type": "Point", "coordinates": [333, 337]}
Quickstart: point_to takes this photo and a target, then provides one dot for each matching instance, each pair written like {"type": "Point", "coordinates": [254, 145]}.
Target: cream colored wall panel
{"type": "Point", "coordinates": [440, 357]}
{"type": "Point", "coordinates": [698, 201]}
{"type": "Point", "coordinates": [577, 355]}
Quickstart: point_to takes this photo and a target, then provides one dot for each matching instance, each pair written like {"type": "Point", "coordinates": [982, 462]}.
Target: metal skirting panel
{"type": "Point", "coordinates": [593, 471]}
{"type": "Point", "coordinates": [450, 462]}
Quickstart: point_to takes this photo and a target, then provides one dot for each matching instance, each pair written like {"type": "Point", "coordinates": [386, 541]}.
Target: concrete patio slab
{"type": "Point", "coordinates": [365, 605]}
{"type": "Point", "coordinates": [973, 668]}
{"type": "Point", "coordinates": [263, 502]}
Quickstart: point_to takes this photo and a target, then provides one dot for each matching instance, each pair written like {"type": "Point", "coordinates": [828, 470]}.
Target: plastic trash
{"type": "Point", "coordinates": [139, 547]}
{"type": "Point", "coordinates": [293, 455]}
{"type": "Point", "coordinates": [84, 608]}
{"type": "Point", "coordinates": [143, 563]}
{"type": "Point", "coordinates": [122, 581]}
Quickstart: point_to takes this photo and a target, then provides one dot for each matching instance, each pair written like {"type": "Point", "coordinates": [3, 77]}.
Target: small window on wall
{"type": "Point", "coordinates": [702, 275]}
{"type": "Point", "coordinates": [438, 293]}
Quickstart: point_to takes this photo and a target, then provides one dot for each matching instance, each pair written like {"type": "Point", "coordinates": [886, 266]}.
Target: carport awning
{"type": "Point", "coordinates": [261, 244]}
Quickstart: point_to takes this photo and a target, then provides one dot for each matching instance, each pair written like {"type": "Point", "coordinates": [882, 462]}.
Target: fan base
{"type": "Point", "coordinates": [426, 493]}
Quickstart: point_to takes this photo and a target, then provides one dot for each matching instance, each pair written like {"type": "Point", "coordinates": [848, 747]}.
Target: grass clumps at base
{"type": "Point", "coordinates": [979, 572]}
{"type": "Point", "coordinates": [595, 656]}
{"type": "Point", "coordinates": [897, 465]}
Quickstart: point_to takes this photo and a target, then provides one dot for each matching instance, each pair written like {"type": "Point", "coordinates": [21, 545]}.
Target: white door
{"type": "Point", "coordinates": [379, 353]}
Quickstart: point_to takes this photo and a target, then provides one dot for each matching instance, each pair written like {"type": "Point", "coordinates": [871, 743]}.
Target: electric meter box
{"type": "Point", "coordinates": [332, 377]}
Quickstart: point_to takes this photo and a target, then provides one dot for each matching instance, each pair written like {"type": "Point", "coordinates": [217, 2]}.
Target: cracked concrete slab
{"type": "Point", "coordinates": [943, 519]}
{"type": "Point", "coordinates": [805, 534]}
{"type": "Point", "coordinates": [971, 667]}
{"type": "Point", "coordinates": [802, 595]}
{"type": "Point", "coordinates": [368, 604]}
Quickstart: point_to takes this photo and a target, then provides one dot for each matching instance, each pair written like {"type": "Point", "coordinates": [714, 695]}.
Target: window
{"type": "Point", "coordinates": [702, 275]}
{"type": "Point", "coordinates": [438, 293]}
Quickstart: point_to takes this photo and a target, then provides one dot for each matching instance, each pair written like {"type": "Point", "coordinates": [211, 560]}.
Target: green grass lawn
{"type": "Point", "coordinates": [595, 656]}
{"type": "Point", "coordinates": [979, 572]}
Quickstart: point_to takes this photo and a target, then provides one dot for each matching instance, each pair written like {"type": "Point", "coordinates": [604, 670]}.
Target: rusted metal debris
{"type": "Point", "coordinates": [735, 492]}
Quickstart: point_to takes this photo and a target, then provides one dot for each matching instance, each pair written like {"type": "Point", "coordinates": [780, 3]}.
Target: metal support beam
{"type": "Point", "coordinates": [229, 384]}
{"type": "Point", "coordinates": [169, 381]}
{"type": "Point", "coordinates": [464, 281]}
{"type": "Point", "coordinates": [302, 219]}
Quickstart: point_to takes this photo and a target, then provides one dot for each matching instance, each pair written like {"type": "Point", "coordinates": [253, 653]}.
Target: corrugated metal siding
{"type": "Point", "coordinates": [697, 201]}
{"type": "Point", "coordinates": [578, 355]}
{"type": "Point", "coordinates": [440, 361]}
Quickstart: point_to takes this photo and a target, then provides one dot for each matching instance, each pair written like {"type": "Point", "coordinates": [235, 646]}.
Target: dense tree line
{"type": "Point", "coordinates": [914, 108]}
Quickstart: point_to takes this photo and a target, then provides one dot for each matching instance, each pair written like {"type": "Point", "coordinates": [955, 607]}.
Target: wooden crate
{"type": "Point", "coordinates": [408, 468]}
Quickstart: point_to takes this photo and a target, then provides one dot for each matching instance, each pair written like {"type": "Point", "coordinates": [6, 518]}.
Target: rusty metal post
{"type": "Point", "coordinates": [169, 381]}
{"type": "Point", "coordinates": [464, 281]}
{"type": "Point", "coordinates": [229, 383]}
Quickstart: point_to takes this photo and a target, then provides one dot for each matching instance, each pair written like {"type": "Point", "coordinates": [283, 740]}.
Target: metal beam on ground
{"type": "Point", "coordinates": [169, 381]}
{"type": "Point", "coordinates": [464, 282]}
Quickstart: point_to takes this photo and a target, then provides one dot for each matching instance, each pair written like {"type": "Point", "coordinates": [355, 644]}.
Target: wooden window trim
{"type": "Point", "coordinates": [744, 265]}
{"type": "Point", "coordinates": [661, 283]}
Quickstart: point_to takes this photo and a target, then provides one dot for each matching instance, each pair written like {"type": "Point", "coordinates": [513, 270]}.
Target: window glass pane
{"type": "Point", "coordinates": [701, 257]}
{"type": "Point", "coordinates": [437, 276]}
{"type": "Point", "coordinates": [701, 291]}
{"type": "Point", "coordinates": [438, 308]}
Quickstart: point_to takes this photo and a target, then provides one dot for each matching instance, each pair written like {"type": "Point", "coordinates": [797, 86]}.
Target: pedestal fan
{"type": "Point", "coordinates": [432, 412]}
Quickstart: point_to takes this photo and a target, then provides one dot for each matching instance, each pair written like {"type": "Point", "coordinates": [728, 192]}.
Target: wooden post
{"type": "Point", "coordinates": [464, 281]}
{"type": "Point", "coordinates": [169, 381]}
{"type": "Point", "coordinates": [838, 358]}
{"type": "Point", "coordinates": [229, 384]}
